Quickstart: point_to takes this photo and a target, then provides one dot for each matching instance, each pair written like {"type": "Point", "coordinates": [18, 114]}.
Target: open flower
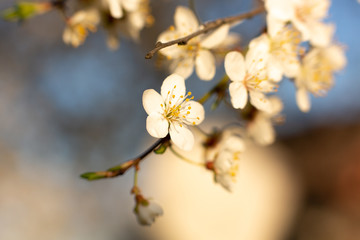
{"type": "Point", "coordinates": [78, 25]}
{"type": "Point", "coordinates": [260, 128]}
{"type": "Point", "coordinates": [282, 50]}
{"type": "Point", "coordinates": [171, 111]}
{"type": "Point", "coordinates": [316, 74]}
{"type": "Point", "coordinates": [147, 210]}
{"type": "Point", "coordinates": [226, 157]}
{"type": "Point", "coordinates": [249, 76]}
{"type": "Point", "coordinates": [197, 52]}
{"type": "Point", "coordinates": [305, 15]}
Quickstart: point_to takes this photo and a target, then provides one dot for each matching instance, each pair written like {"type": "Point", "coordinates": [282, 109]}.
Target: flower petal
{"type": "Point", "coordinates": [183, 67]}
{"type": "Point", "coordinates": [262, 130]}
{"type": "Point", "coordinates": [156, 125]}
{"type": "Point", "coordinates": [205, 65]}
{"type": "Point", "coordinates": [215, 38]}
{"type": "Point", "coordinates": [235, 66]}
{"type": "Point", "coordinates": [185, 20]}
{"type": "Point", "coordinates": [260, 101]}
{"type": "Point", "coordinates": [193, 113]}
{"type": "Point", "coordinates": [181, 136]}
{"type": "Point", "coordinates": [131, 5]}
{"type": "Point", "coordinates": [234, 143]}
{"type": "Point", "coordinates": [115, 8]}
{"type": "Point", "coordinates": [321, 34]}
{"type": "Point", "coordinates": [302, 99]}
{"type": "Point", "coordinates": [173, 88]}
{"type": "Point", "coordinates": [152, 101]}
{"type": "Point", "coordinates": [238, 94]}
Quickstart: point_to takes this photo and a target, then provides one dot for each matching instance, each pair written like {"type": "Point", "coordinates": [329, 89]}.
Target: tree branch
{"type": "Point", "coordinates": [206, 27]}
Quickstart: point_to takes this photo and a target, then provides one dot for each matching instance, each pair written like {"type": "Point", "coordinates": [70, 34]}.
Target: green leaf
{"type": "Point", "coordinates": [93, 175]}
{"type": "Point", "coordinates": [24, 10]}
{"type": "Point", "coordinates": [162, 148]}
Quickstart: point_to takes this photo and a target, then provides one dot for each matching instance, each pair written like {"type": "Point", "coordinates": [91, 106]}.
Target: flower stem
{"type": "Point", "coordinates": [186, 159]}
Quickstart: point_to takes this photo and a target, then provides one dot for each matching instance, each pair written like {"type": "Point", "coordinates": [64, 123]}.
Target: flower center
{"type": "Point", "coordinates": [178, 108]}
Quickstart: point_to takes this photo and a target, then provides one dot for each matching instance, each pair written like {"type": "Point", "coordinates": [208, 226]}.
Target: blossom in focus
{"type": "Point", "coordinates": [226, 158]}
{"type": "Point", "coordinates": [316, 74]}
{"type": "Point", "coordinates": [78, 26]}
{"type": "Point", "coordinates": [172, 111]}
{"type": "Point", "coordinates": [282, 50]}
{"type": "Point", "coordinates": [198, 51]}
{"type": "Point", "coordinates": [260, 128]}
{"type": "Point", "coordinates": [147, 210]}
{"type": "Point", "coordinates": [249, 76]}
{"type": "Point", "coordinates": [305, 15]}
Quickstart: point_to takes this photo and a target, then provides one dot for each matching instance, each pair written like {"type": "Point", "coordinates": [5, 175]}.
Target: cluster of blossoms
{"type": "Point", "coordinates": [297, 45]}
{"type": "Point", "coordinates": [128, 17]}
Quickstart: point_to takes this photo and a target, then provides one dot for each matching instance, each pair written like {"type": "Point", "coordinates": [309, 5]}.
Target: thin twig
{"type": "Point", "coordinates": [206, 27]}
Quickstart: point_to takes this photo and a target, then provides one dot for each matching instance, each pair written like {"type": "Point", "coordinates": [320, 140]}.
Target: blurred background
{"type": "Point", "coordinates": [65, 111]}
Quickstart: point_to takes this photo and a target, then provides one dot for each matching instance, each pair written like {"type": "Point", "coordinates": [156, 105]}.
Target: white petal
{"type": "Point", "coordinates": [257, 57]}
{"type": "Point", "coordinates": [205, 65]}
{"type": "Point", "coordinates": [194, 113]}
{"type": "Point", "coordinates": [185, 20]}
{"type": "Point", "coordinates": [276, 105]}
{"type": "Point", "coordinates": [335, 54]}
{"type": "Point", "coordinates": [235, 66]}
{"type": "Point", "coordinates": [274, 24]}
{"type": "Point", "coordinates": [225, 180]}
{"type": "Point", "coordinates": [215, 38]}
{"type": "Point", "coordinates": [131, 5]}
{"type": "Point", "coordinates": [173, 88]}
{"type": "Point", "coordinates": [234, 143]}
{"type": "Point", "coordinates": [303, 99]}
{"type": "Point", "coordinates": [283, 10]}
{"type": "Point", "coordinates": [262, 131]}
{"type": "Point", "coordinates": [321, 34]}
{"type": "Point", "coordinates": [181, 136]}
{"type": "Point", "coordinates": [173, 51]}
{"type": "Point", "coordinates": [260, 101]}
{"type": "Point", "coordinates": [115, 8]}
{"type": "Point", "coordinates": [238, 94]}
{"type": "Point", "coordinates": [183, 67]}
{"type": "Point", "coordinates": [152, 101]}
{"type": "Point", "coordinates": [156, 125]}
{"type": "Point", "coordinates": [274, 69]}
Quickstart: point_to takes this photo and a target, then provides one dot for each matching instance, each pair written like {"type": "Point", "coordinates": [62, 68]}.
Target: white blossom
{"type": "Point", "coordinates": [171, 111]}
{"type": "Point", "coordinates": [316, 73]}
{"type": "Point", "coordinates": [305, 15]}
{"type": "Point", "coordinates": [282, 50]}
{"type": "Point", "coordinates": [117, 7]}
{"type": "Point", "coordinates": [130, 24]}
{"type": "Point", "coordinates": [198, 51]}
{"type": "Point", "coordinates": [226, 159]}
{"type": "Point", "coordinates": [260, 128]}
{"type": "Point", "coordinates": [249, 75]}
{"type": "Point", "coordinates": [147, 210]}
{"type": "Point", "coordinates": [78, 26]}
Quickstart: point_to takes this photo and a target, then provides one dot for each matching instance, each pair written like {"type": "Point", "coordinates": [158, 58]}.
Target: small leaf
{"type": "Point", "coordinates": [24, 10]}
{"type": "Point", "coordinates": [93, 175]}
{"type": "Point", "coordinates": [162, 148]}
